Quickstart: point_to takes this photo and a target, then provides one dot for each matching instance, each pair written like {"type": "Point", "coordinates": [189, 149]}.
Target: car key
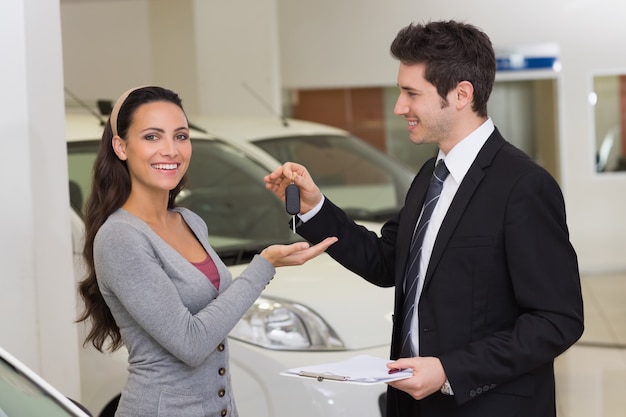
{"type": "Point", "coordinates": [292, 202]}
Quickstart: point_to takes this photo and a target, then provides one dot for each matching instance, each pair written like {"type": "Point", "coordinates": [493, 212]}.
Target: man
{"type": "Point", "coordinates": [497, 289]}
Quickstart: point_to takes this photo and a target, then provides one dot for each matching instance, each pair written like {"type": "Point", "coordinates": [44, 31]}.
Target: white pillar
{"type": "Point", "coordinates": [237, 46]}
{"type": "Point", "coordinates": [37, 295]}
{"type": "Point", "coordinates": [171, 35]}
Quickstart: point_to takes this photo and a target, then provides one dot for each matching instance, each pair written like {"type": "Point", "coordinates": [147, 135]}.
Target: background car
{"type": "Point", "coordinates": [23, 393]}
{"type": "Point", "coordinates": [316, 313]}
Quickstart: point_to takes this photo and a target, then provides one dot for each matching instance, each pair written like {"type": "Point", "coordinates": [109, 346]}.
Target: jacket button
{"type": "Point", "coordinates": [220, 347]}
{"type": "Point", "coordinates": [222, 371]}
{"type": "Point", "coordinates": [472, 393]}
{"type": "Point", "coordinates": [223, 413]}
{"type": "Point", "coordinates": [479, 390]}
{"type": "Point", "coordinates": [221, 393]}
{"type": "Point", "coordinates": [486, 388]}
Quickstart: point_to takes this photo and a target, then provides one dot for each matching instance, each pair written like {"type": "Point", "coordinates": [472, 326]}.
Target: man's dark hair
{"type": "Point", "coordinates": [451, 52]}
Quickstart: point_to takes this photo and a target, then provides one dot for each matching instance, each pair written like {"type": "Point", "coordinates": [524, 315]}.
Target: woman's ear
{"type": "Point", "coordinates": [119, 147]}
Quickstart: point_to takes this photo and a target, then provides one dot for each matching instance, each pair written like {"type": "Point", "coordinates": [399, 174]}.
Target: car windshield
{"type": "Point", "coordinates": [366, 183]}
{"type": "Point", "coordinates": [21, 396]}
{"type": "Point", "coordinates": [224, 187]}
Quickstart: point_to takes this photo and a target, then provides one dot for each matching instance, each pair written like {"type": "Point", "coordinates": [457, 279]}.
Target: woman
{"type": "Point", "coordinates": [154, 283]}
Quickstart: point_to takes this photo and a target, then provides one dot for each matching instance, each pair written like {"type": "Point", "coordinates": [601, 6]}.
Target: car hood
{"type": "Point", "coordinates": [358, 311]}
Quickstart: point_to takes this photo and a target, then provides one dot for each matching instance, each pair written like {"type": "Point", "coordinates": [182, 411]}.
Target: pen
{"type": "Point", "coordinates": [322, 376]}
{"type": "Point", "coordinates": [395, 370]}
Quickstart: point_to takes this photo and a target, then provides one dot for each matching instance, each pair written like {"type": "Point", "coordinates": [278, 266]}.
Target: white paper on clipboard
{"type": "Point", "coordinates": [360, 369]}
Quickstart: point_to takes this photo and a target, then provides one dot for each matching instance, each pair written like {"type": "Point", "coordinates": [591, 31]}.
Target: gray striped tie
{"type": "Point", "coordinates": [412, 276]}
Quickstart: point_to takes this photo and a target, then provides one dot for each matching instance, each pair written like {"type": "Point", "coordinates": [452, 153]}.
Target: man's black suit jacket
{"type": "Point", "coordinates": [501, 296]}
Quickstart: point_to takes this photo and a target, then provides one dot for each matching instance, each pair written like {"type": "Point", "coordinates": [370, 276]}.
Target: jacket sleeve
{"type": "Point", "coordinates": [358, 249]}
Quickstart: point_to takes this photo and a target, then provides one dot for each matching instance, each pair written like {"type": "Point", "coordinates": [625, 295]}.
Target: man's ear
{"type": "Point", "coordinates": [464, 94]}
{"type": "Point", "coordinates": [119, 147]}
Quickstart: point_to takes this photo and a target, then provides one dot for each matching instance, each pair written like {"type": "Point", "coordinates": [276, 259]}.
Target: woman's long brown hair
{"type": "Point", "coordinates": [110, 190]}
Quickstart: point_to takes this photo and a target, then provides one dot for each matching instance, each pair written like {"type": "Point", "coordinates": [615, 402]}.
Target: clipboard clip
{"type": "Point", "coordinates": [322, 376]}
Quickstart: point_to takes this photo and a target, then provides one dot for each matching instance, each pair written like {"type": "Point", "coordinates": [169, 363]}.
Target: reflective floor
{"type": "Point", "coordinates": [591, 375]}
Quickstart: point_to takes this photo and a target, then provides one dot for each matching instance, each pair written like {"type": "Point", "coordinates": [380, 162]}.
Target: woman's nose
{"type": "Point", "coordinates": [169, 148]}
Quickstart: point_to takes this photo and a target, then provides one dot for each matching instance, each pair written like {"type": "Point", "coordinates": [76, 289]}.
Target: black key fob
{"type": "Point", "coordinates": [292, 199]}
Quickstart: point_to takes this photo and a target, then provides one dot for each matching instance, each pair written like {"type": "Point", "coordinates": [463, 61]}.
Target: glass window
{"type": "Point", "coordinates": [609, 102]}
{"type": "Point", "coordinates": [21, 396]}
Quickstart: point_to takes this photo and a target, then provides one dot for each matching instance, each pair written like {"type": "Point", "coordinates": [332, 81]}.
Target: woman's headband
{"type": "Point", "coordinates": [118, 104]}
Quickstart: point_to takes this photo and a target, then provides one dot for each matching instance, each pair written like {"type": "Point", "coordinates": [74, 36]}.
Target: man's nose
{"type": "Point", "coordinates": [400, 108]}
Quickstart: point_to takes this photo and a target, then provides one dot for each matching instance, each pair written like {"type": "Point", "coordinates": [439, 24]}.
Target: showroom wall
{"type": "Point", "coordinates": [217, 61]}
{"type": "Point", "coordinates": [331, 43]}
{"type": "Point", "coordinates": [37, 298]}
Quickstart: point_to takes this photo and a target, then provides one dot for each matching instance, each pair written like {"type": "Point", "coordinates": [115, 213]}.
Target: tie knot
{"type": "Point", "coordinates": [441, 170]}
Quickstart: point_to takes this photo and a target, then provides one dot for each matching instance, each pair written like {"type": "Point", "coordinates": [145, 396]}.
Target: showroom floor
{"type": "Point", "coordinates": [591, 375]}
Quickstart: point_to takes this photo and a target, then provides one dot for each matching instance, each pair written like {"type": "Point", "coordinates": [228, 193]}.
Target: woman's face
{"type": "Point", "coordinates": [157, 148]}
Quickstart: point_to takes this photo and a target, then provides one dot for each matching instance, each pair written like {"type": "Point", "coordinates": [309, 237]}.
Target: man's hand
{"type": "Point", "coordinates": [281, 177]}
{"type": "Point", "coordinates": [428, 376]}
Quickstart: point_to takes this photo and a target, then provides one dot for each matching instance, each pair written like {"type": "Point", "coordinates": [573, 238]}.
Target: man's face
{"type": "Point", "coordinates": [428, 116]}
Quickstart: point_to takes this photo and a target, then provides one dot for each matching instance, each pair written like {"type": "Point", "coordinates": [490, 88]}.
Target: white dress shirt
{"type": "Point", "coordinates": [458, 162]}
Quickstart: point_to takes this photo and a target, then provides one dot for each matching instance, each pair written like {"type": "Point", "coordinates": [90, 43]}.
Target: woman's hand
{"type": "Point", "coordinates": [296, 253]}
{"type": "Point", "coordinates": [281, 177]}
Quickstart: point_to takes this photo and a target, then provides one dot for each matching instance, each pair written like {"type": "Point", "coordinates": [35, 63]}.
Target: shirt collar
{"type": "Point", "coordinates": [463, 154]}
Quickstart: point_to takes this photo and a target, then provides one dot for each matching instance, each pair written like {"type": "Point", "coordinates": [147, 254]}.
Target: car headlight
{"type": "Point", "coordinates": [283, 325]}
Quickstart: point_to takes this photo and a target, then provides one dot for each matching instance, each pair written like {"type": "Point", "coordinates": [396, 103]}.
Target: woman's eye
{"type": "Point", "coordinates": [151, 137]}
{"type": "Point", "coordinates": [182, 136]}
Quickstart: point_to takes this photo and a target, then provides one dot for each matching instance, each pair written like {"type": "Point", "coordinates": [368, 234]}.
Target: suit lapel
{"type": "Point", "coordinates": [410, 214]}
{"type": "Point", "coordinates": [462, 198]}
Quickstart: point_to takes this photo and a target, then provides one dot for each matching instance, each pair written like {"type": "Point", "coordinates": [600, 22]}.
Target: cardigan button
{"type": "Point", "coordinates": [220, 347]}
{"type": "Point", "coordinates": [221, 393]}
{"type": "Point", "coordinates": [224, 412]}
{"type": "Point", "coordinates": [222, 371]}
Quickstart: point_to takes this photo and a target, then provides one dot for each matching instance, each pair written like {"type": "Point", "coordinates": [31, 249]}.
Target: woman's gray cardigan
{"type": "Point", "coordinates": [172, 320]}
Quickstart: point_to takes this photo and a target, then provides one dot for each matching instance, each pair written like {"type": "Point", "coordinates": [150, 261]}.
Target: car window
{"type": "Point", "coordinates": [20, 396]}
{"type": "Point", "coordinates": [224, 187]}
{"type": "Point", "coordinates": [81, 156]}
{"type": "Point", "coordinates": [366, 183]}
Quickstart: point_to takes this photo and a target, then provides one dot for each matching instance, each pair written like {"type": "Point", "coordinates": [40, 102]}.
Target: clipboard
{"type": "Point", "coordinates": [360, 369]}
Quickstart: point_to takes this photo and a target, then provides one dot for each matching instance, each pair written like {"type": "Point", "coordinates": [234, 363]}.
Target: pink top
{"type": "Point", "coordinates": [208, 268]}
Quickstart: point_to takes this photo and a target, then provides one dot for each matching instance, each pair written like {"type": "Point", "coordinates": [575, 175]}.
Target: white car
{"type": "Point", "coordinates": [316, 313]}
